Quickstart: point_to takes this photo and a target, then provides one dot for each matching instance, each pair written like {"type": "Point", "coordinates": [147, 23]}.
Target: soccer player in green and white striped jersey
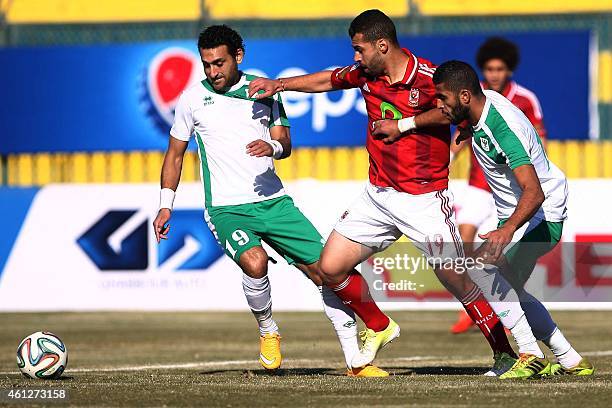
{"type": "Point", "coordinates": [530, 194]}
{"type": "Point", "coordinates": [238, 138]}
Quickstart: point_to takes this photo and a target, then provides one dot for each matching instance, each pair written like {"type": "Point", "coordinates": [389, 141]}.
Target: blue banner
{"type": "Point", "coordinates": [121, 97]}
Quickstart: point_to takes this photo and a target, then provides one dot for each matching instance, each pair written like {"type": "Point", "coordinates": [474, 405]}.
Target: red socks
{"type": "Point", "coordinates": [354, 292]}
{"type": "Point", "coordinates": [487, 321]}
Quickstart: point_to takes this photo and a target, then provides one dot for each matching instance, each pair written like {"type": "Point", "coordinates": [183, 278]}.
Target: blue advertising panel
{"type": "Point", "coordinates": [121, 97]}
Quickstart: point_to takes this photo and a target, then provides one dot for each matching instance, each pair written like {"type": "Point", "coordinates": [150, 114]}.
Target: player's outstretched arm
{"type": "Point", "coordinates": [530, 201]}
{"type": "Point", "coordinates": [431, 118]}
{"type": "Point", "coordinates": [170, 176]}
{"type": "Point", "coordinates": [435, 117]}
{"type": "Point", "coordinates": [316, 82]}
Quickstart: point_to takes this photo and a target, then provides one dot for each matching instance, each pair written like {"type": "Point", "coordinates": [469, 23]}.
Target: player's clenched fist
{"type": "Point", "coordinates": [260, 148]}
{"type": "Point", "coordinates": [159, 224]}
{"type": "Point", "coordinates": [386, 130]}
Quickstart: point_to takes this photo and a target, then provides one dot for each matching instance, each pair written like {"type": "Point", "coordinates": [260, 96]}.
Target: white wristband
{"type": "Point", "coordinates": [406, 124]}
{"type": "Point", "coordinates": [277, 149]}
{"type": "Point", "coordinates": [166, 198]}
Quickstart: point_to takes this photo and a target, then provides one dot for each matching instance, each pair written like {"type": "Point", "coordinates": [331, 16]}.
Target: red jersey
{"type": "Point", "coordinates": [528, 103]}
{"type": "Point", "coordinates": [418, 162]}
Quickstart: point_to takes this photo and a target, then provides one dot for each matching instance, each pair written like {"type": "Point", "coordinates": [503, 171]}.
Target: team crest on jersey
{"type": "Point", "coordinates": [485, 144]}
{"type": "Point", "coordinates": [414, 97]}
{"type": "Point", "coordinates": [208, 100]}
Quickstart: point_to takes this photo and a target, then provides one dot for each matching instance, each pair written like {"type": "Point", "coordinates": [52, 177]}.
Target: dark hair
{"type": "Point", "coordinates": [498, 48]}
{"type": "Point", "coordinates": [457, 75]}
{"type": "Point", "coordinates": [217, 35]}
{"type": "Point", "coordinates": [374, 25]}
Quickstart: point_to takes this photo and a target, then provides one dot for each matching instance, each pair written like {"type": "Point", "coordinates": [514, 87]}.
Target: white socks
{"type": "Point", "coordinates": [343, 320]}
{"type": "Point", "coordinates": [258, 295]}
{"type": "Point", "coordinates": [562, 349]}
{"type": "Point", "coordinates": [546, 330]}
{"type": "Point", "coordinates": [525, 339]}
{"type": "Point", "coordinates": [525, 316]}
{"type": "Point", "coordinates": [257, 292]}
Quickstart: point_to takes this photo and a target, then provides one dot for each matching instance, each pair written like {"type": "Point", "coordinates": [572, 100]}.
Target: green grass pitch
{"type": "Point", "coordinates": [210, 359]}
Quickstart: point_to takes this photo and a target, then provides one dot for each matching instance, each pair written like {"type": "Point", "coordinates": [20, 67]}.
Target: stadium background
{"type": "Point", "coordinates": [83, 126]}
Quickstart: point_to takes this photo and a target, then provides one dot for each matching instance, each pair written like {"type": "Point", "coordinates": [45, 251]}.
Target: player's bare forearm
{"type": "Point", "coordinates": [431, 118]}
{"type": "Point", "coordinates": [281, 134]}
{"type": "Point", "coordinates": [173, 163]}
{"type": "Point", "coordinates": [531, 198]}
{"type": "Point", "coordinates": [316, 82]}
{"type": "Point", "coordinates": [391, 130]}
{"type": "Point", "coordinates": [530, 201]}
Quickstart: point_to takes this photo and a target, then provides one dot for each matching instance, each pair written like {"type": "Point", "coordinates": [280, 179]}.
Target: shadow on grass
{"type": "Point", "coordinates": [445, 370]}
{"type": "Point", "coordinates": [289, 372]}
{"type": "Point", "coordinates": [283, 372]}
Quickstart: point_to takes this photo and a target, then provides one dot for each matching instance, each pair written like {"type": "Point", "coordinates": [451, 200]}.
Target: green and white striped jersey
{"type": "Point", "coordinates": [223, 124]}
{"type": "Point", "coordinates": [504, 139]}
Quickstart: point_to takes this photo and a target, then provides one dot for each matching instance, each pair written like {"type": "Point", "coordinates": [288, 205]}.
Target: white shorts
{"type": "Point", "coordinates": [475, 206]}
{"type": "Point", "coordinates": [380, 216]}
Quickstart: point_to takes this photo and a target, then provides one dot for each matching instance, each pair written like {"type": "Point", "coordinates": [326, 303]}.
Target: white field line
{"type": "Point", "coordinates": [225, 363]}
{"type": "Point", "coordinates": [209, 364]}
{"type": "Point", "coordinates": [597, 353]}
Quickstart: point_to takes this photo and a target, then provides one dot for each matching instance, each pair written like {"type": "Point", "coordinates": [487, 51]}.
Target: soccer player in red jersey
{"type": "Point", "coordinates": [497, 59]}
{"type": "Point", "coordinates": [408, 178]}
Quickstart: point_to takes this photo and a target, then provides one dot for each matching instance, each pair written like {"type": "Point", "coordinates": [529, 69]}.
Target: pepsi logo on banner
{"type": "Point", "coordinates": [169, 73]}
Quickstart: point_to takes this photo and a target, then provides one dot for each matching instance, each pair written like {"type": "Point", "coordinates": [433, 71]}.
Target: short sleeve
{"type": "Point", "coordinates": [182, 128]}
{"type": "Point", "coordinates": [507, 139]}
{"type": "Point", "coordinates": [278, 117]}
{"type": "Point", "coordinates": [346, 77]}
{"type": "Point", "coordinates": [511, 146]}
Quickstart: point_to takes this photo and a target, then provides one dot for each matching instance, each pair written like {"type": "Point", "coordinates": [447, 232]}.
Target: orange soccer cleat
{"type": "Point", "coordinates": [463, 323]}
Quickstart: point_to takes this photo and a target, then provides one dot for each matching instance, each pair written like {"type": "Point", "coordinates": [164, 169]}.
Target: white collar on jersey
{"type": "Point", "coordinates": [238, 84]}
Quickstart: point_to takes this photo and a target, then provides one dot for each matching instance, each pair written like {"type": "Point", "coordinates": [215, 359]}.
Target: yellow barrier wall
{"type": "Point", "coordinates": [281, 9]}
{"type": "Point", "coordinates": [505, 7]}
{"type": "Point", "coordinates": [576, 158]}
{"type": "Point", "coordinates": [98, 11]}
{"type": "Point", "coordinates": [604, 76]}
{"type": "Point", "coordinates": [93, 11]}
